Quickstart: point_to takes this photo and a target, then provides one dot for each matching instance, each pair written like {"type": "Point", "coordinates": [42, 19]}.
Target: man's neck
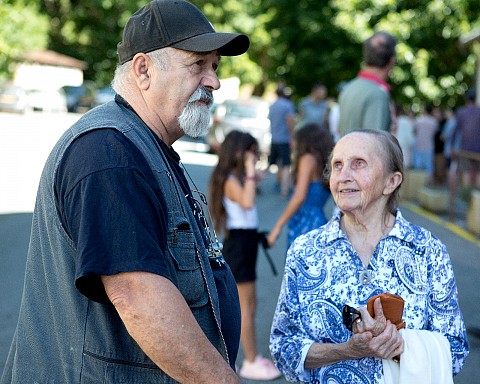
{"type": "Point", "coordinates": [152, 120]}
{"type": "Point", "coordinates": [376, 75]}
{"type": "Point", "coordinates": [381, 73]}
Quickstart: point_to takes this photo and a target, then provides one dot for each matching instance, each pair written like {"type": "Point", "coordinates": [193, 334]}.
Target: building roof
{"type": "Point", "coordinates": [54, 58]}
{"type": "Point", "coordinates": [470, 37]}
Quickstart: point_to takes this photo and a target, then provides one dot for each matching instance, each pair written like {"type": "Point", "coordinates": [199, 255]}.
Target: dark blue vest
{"type": "Point", "coordinates": [62, 337]}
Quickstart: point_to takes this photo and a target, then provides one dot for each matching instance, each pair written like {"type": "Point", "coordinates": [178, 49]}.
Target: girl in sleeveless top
{"type": "Point", "coordinates": [233, 187]}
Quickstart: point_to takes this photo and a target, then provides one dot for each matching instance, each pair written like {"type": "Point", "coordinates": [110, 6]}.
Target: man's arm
{"type": "Point", "coordinates": [160, 321]}
{"type": "Point", "coordinates": [290, 122]}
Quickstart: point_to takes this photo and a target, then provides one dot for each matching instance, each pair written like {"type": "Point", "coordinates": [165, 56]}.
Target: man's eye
{"type": "Point", "coordinates": [360, 163]}
{"type": "Point", "coordinates": [337, 165]}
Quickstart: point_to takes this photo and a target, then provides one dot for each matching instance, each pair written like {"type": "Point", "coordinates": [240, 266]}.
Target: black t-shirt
{"type": "Point", "coordinates": [111, 208]}
{"type": "Point", "coordinates": [115, 214]}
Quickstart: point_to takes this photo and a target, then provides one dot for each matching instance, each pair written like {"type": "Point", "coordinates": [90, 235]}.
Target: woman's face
{"type": "Point", "coordinates": [358, 181]}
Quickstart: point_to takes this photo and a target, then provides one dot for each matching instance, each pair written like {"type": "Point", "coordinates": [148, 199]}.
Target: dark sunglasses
{"type": "Point", "coordinates": [350, 315]}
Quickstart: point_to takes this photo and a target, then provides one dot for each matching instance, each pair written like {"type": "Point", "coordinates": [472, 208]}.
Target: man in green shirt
{"type": "Point", "coordinates": [365, 102]}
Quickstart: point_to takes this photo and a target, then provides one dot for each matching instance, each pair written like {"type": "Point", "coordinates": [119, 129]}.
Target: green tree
{"type": "Point", "coordinates": [23, 28]}
{"type": "Point", "coordinates": [91, 29]}
{"type": "Point", "coordinates": [298, 42]}
{"type": "Point", "coordinates": [238, 16]}
{"type": "Point", "coordinates": [318, 41]}
{"type": "Point", "coordinates": [432, 65]}
{"type": "Point", "coordinates": [306, 47]}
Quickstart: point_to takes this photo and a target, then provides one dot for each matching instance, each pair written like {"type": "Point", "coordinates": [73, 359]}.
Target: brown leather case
{"type": "Point", "coordinates": [392, 308]}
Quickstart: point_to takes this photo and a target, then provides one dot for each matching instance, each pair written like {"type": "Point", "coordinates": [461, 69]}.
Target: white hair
{"type": "Point", "coordinates": [195, 118]}
{"type": "Point", "coordinates": [122, 81]}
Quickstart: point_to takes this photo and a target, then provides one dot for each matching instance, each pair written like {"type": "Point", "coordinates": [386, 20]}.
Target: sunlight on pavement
{"type": "Point", "coordinates": [25, 143]}
{"type": "Point", "coordinates": [189, 155]}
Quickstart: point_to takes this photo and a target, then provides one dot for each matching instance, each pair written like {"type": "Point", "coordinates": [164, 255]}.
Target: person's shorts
{"type": "Point", "coordinates": [240, 251]}
{"type": "Point", "coordinates": [280, 154]}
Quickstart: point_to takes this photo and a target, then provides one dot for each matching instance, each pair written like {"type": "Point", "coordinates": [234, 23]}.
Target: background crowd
{"type": "Point", "coordinates": [434, 139]}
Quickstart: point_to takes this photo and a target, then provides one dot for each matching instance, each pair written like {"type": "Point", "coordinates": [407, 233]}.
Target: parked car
{"type": "Point", "coordinates": [47, 100]}
{"type": "Point", "coordinates": [80, 98]}
{"type": "Point", "coordinates": [103, 95]}
{"type": "Point", "coordinates": [13, 98]}
{"type": "Point", "coordinates": [248, 115]}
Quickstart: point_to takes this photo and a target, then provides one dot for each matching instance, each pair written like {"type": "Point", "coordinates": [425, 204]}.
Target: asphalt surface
{"type": "Point", "coordinates": [21, 176]}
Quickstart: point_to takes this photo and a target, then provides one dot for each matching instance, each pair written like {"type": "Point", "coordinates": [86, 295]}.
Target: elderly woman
{"type": "Point", "coordinates": [366, 249]}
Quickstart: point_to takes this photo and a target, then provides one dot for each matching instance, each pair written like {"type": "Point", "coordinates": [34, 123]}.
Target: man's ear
{"type": "Point", "coordinates": [141, 67]}
{"type": "Point", "coordinates": [391, 63]}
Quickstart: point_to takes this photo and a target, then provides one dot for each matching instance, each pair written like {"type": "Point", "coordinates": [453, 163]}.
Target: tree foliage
{"type": "Point", "coordinates": [235, 16]}
{"type": "Point", "coordinates": [23, 28]}
{"type": "Point", "coordinates": [317, 41]}
{"type": "Point", "coordinates": [306, 47]}
{"type": "Point", "coordinates": [298, 42]}
{"type": "Point", "coordinates": [90, 31]}
{"type": "Point", "coordinates": [432, 64]}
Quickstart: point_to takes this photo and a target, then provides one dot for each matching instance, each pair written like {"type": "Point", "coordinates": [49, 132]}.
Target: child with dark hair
{"type": "Point", "coordinates": [233, 193]}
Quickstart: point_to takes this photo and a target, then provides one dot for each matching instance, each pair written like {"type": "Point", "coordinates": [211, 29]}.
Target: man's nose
{"type": "Point", "coordinates": [211, 81]}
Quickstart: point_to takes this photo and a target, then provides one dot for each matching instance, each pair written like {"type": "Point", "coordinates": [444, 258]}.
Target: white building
{"type": "Point", "coordinates": [48, 70]}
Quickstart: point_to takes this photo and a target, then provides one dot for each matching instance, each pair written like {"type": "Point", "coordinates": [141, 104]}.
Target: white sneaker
{"type": "Point", "coordinates": [260, 369]}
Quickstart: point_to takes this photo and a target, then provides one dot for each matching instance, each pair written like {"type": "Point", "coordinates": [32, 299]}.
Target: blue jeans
{"type": "Point", "coordinates": [423, 160]}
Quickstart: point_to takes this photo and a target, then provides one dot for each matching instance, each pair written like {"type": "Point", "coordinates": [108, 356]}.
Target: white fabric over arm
{"type": "Point", "coordinates": [426, 359]}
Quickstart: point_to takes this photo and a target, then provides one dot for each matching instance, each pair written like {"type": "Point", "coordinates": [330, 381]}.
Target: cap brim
{"type": "Point", "coordinates": [227, 44]}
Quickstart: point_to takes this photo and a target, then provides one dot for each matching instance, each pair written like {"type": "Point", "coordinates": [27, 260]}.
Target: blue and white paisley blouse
{"type": "Point", "coordinates": [322, 273]}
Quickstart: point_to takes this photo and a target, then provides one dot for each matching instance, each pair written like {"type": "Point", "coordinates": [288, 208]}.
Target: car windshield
{"type": "Point", "coordinates": [9, 90]}
{"type": "Point", "coordinates": [242, 110]}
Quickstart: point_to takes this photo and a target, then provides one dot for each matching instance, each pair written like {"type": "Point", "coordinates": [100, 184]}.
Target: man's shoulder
{"type": "Point", "coordinates": [102, 149]}
{"type": "Point", "coordinates": [426, 119]}
{"type": "Point", "coordinates": [101, 138]}
{"type": "Point", "coordinates": [461, 110]}
{"type": "Point", "coordinates": [285, 101]}
{"type": "Point", "coordinates": [281, 103]}
{"type": "Point", "coordinates": [468, 109]}
{"type": "Point", "coordinates": [357, 82]}
{"type": "Point", "coordinates": [305, 101]}
{"type": "Point", "coordinates": [363, 88]}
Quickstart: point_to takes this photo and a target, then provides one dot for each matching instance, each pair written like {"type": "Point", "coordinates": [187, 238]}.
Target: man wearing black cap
{"type": "Point", "coordinates": [125, 282]}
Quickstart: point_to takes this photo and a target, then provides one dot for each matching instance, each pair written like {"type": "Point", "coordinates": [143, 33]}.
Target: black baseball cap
{"type": "Point", "coordinates": [178, 24]}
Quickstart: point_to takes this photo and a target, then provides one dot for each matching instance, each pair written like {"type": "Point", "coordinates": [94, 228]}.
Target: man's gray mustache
{"type": "Point", "coordinates": [202, 94]}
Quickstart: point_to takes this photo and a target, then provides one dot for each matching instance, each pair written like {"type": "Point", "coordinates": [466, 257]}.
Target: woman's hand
{"type": "Point", "coordinates": [375, 325]}
{"type": "Point", "coordinates": [273, 235]}
{"type": "Point", "coordinates": [250, 161]}
{"type": "Point", "coordinates": [386, 345]}
{"type": "Point", "coordinates": [376, 336]}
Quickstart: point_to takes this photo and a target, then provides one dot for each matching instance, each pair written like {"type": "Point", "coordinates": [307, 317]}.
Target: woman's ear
{"type": "Point", "coordinates": [393, 181]}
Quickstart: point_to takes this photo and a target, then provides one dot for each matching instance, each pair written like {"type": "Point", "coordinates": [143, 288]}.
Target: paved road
{"type": "Point", "coordinates": [24, 144]}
